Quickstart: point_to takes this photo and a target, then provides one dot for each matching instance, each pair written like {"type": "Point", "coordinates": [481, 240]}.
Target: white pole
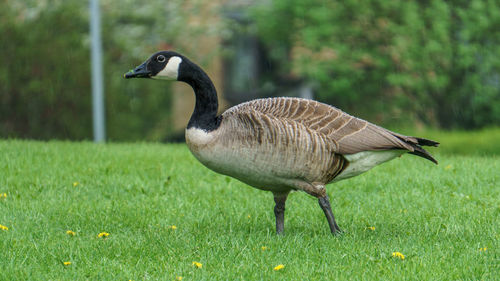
{"type": "Point", "coordinates": [97, 76]}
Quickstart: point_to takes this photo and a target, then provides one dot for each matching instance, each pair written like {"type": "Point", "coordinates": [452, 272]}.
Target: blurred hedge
{"type": "Point", "coordinates": [434, 62]}
{"type": "Point", "coordinates": [45, 89]}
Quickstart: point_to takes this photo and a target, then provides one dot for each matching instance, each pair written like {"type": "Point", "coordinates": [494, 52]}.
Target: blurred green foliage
{"type": "Point", "coordinates": [435, 62]}
{"type": "Point", "coordinates": [45, 89]}
{"type": "Point", "coordinates": [44, 71]}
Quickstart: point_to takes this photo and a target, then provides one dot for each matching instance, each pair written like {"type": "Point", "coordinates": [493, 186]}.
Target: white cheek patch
{"type": "Point", "coordinates": [171, 70]}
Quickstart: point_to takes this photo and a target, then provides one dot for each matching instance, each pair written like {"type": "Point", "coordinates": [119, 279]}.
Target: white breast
{"type": "Point", "coordinates": [363, 161]}
{"type": "Point", "coordinates": [233, 158]}
{"type": "Point", "coordinates": [204, 147]}
{"type": "Point", "coordinates": [198, 137]}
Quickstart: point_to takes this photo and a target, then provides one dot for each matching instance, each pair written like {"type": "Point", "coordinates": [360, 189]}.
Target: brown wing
{"type": "Point", "coordinates": [288, 148]}
{"type": "Point", "coordinates": [350, 133]}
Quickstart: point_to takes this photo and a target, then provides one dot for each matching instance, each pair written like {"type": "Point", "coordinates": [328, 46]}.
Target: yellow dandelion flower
{"type": "Point", "coordinates": [371, 227]}
{"type": "Point", "coordinates": [264, 248]}
{"type": "Point", "coordinates": [197, 264]}
{"type": "Point", "coordinates": [3, 227]}
{"type": "Point", "coordinates": [178, 278]}
{"type": "Point", "coordinates": [67, 263]}
{"type": "Point", "coordinates": [448, 167]}
{"type": "Point", "coordinates": [3, 195]}
{"type": "Point", "coordinates": [398, 255]}
{"type": "Point", "coordinates": [249, 216]}
{"type": "Point", "coordinates": [103, 235]}
{"type": "Point", "coordinates": [278, 267]}
{"type": "Point", "coordinates": [75, 184]}
{"type": "Point", "coordinates": [173, 227]}
{"type": "Point", "coordinates": [483, 249]}
{"type": "Point", "coordinates": [71, 233]}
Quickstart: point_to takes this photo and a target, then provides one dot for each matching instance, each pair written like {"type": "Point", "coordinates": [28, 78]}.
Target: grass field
{"type": "Point", "coordinates": [444, 219]}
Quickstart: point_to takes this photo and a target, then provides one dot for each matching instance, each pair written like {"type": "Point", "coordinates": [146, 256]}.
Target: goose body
{"type": "Point", "coordinates": [280, 144]}
{"type": "Point", "coordinates": [271, 145]}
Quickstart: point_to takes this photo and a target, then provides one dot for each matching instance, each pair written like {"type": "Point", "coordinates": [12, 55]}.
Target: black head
{"type": "Point", "coordinates": [161, 65]}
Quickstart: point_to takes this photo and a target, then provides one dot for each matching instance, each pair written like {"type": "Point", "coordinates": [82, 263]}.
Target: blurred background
{"type": "Point", "coordinates": [407, 64]}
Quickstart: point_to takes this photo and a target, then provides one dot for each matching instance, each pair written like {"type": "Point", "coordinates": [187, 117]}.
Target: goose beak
{"type": "Point", "coordinates": [139, 72]}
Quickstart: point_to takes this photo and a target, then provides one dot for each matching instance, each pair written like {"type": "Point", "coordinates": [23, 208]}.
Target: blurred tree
{"type": "Point", "coordinates": [431, 61]}
{"type": "Point", "coordinates": [45, 68]}
{"type": "Point", "coordinates": [44, 71]}
{"type": "Point", "coordinates": [434, 61]}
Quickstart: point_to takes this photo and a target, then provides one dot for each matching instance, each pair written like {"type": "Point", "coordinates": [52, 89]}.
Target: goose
{"type": "Point", "coordinates": [279, 144]}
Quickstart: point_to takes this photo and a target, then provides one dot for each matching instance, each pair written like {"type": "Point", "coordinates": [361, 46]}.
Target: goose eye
{"type": "Point", "coordinates": [160, 58]}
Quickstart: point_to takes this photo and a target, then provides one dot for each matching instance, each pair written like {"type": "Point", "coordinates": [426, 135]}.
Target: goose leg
{"type": "Point", "coordinates": [279, 212]}
{"type": "Point", "coordinates": [324, 203]}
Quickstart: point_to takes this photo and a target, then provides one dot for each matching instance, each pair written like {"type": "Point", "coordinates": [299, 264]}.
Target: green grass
{"type": "Point", "coordinates": [437, 216]}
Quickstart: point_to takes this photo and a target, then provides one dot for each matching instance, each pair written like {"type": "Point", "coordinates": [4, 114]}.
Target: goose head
{"type": "Point", "coordinates": [164, 65]}
{"type": "Point", "coordinates": [169, 65]}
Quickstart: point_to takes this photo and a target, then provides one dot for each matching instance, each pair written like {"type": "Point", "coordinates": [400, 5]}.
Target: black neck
{"type": "Point", "coordinates": [205, 111]}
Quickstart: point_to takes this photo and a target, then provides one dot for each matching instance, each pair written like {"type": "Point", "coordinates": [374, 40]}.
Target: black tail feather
{"type": "Point", "coordinates": [419, 151]}
{"type": "Point", "coordinates": [427, 142]}
{"type": "Point", "coordinates": [417, 143]}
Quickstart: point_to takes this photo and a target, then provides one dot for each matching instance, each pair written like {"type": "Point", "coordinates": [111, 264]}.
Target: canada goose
{"type": "Point", "coordinates": [279, 144]}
